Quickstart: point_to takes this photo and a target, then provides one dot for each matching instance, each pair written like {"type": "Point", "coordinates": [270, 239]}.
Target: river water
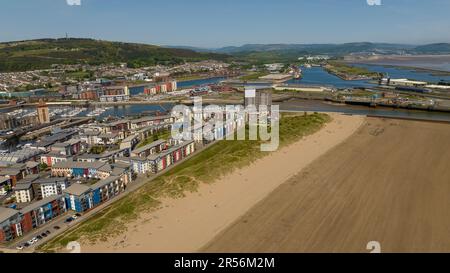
{"type": "Point", "coordinates": [311, 76]}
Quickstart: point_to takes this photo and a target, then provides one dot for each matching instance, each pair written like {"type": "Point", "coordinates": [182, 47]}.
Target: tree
{"type": "Point", "coordinates": [43, 167]}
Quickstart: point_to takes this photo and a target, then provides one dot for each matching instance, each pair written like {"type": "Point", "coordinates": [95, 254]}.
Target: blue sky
{"type": "Point", "coordinates": [216, 23]}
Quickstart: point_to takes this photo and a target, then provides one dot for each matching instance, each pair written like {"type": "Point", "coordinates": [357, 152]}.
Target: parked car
{"type": "Point", "coordinates": [74, 217]}
{"type": "Point", "coordinates": [78, 215]}
{"type": "Point", "coordinates": [56, 227]}
{"type": "Point", "coordinates": [68, 220]}
{"type": "Point", "coordinates": [44, 234]}
{"type": "Point", "coordinates": [20, 247]}
{"type": "Point", "coordinates": [26, 244]}
{"type": "Point", "coordinates": [48, 232]}
{"type": "Point", "coordinates": [39, 237]}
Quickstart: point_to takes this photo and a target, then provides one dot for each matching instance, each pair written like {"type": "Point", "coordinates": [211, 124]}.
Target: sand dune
{"type": "Point", "coordinates": [186, 224]}
{"type": "Point", "coordinates": [389, 183]}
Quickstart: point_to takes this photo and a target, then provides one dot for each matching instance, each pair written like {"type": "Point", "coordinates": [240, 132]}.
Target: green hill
{"type": "Point", "coordinates": [43, 53]}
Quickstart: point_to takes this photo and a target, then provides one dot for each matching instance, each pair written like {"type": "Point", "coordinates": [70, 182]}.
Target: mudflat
{"type": "Point", "coordinates": [389, 182]}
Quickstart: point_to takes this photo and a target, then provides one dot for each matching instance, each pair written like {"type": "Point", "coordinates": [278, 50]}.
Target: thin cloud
{"type": "Point", "coordinates": [73, 2]}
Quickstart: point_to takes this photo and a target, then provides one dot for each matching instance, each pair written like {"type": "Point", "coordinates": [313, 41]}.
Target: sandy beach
{"type": "Point", "coordinates": [388, 183]}
{"type": "Point", "coordinates": [187, 224]}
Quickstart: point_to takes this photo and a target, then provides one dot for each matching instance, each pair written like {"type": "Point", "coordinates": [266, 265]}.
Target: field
{"type": "Point", "coordinates": [43, 53]}
{"type": "Point", "coordinates": [388, 183]}
{"type": "Point", "coordinates": [253, 76]}
{"type": "Point", "coordinates": [205, 167]}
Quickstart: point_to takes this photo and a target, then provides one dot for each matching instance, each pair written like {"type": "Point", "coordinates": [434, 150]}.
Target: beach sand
{"type": "Point", "coordinates": [389, 182]}
{"type": "Point", "coordinates": [187, 224]}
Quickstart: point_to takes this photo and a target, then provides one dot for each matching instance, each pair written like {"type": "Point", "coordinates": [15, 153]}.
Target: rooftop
{"type": "Point", "coordinates": [152, 118]}
{"type": "Point", "coordinates": [79, 165]}
{"type": "Point", "coordinates": [104, 182]}
{"type": "Point", "coordinates": [149, 146]}
{"type": "Point", "coordinates": [40, 203]}
{"type": "Point", "coordinates": [6, 213]}
{"type": "Point", "coordinates": [77, 189]}
{"type": "Point", "coordinates": [50, 180]}
{"type": "Point", "coordinates": [22, 186]}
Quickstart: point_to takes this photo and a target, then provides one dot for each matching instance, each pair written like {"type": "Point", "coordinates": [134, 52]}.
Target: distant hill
{"type": "Point", "coordinates": [330, 49]}
{"type": "Point", "coordinates": [43, 53]}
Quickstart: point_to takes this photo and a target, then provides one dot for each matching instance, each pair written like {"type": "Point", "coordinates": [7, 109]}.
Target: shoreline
{"type": "Point", "coordinates": [189, 223]}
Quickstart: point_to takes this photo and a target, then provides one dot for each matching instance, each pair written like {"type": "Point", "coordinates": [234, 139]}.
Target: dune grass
{"type": "Point", "coordinates": [205, 167]}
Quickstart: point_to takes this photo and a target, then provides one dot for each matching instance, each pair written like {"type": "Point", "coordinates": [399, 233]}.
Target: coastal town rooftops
{"type": "Point", "coordinates": [151, 118]}
{"type": "Point", "coordinates": [72, 141]}
{"type": "Point", "coordinates": [51, 180]}
{"type": "Point", "coordinates": [20, 155]}
{"type": "Point", "coordinates": [59, 136]}
{"type": "Point", "coordinates": [91, 133]}
{"type": "Point", "coordinates": [22, 186]}
{"type": "Point", "coordinates": [130, 138]}
{"type": "Point", "coordinates": [56, 154]}
{"type": "Point", "coordinates": [60, 145]}
{"type": "Point", "coordinates": [104, 182]}
{"type": "Point", "coordinates": [77, 189]}
{"type": "Point", "coordinates": [149, 146]}
{"type": "Point", "coordinates": [79, 165]}
{"type": "Point", "coordinates": [40, 203]}
{"type": "Point", "coordinates": [31, 164]}
{"type": "Point", "coordinates": [118, 171]}
{"type": "Point", "coordinates": [9, 171]}
{"type": "Point", "coordinates": [108, 135]}
{"type": "Point", "coordinates": [122, 161]}
{"type": "Point", "coordinates": [89, 156]}
{"type": "Point", "coordinates": [137, 158]}
{"type": "Point", "coordinates": [118, 122]}
{"type": "Point", "coordinates": [31, 178]}
{"type": "Point", "coordinates": [163, 153]}
{"type": "Point", "coordinates": [6, 213]}
{"type": "Point", "coordinates": [105, 168]}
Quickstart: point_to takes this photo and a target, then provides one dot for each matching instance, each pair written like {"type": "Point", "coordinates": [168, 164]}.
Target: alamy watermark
{"type": "Point", "coordinates": [230, 122]}
{"type": "Point", "coordinates": [374, 2]}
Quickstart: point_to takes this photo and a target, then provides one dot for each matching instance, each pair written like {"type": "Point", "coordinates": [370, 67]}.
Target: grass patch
{"type": "Point", "coordinates": [205, 167]}
{"type": "Point", "coordinates": [347, 71]}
